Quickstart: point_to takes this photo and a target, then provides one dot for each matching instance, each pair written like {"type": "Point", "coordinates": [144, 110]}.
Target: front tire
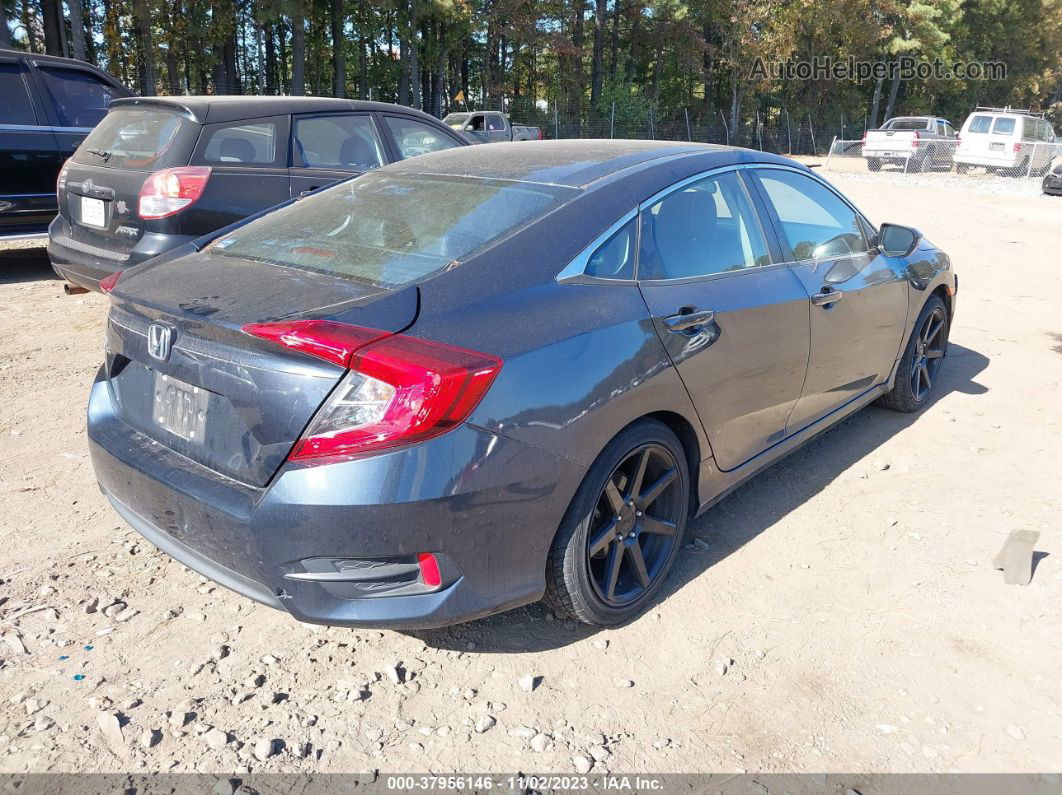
{"type": "Point", "coordinates": [922, 358]}
{"type": "Point", "coordinates": [622, 532]}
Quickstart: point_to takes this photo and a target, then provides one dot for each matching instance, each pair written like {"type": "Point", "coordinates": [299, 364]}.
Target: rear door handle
{"type": "Point", "coordinates": [684, 321]}
{"type": "Point", "coordinates": [827, 297]}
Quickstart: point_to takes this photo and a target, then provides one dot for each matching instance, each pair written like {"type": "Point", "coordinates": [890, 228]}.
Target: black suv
{"type": "Point", "coordinates": [163, 171]}
{"type": "Point", "coordinates": [47, 107]}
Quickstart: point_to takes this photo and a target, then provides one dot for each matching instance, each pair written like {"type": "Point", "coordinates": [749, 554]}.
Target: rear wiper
{"type": "Point", "coordinates": [101, 153]}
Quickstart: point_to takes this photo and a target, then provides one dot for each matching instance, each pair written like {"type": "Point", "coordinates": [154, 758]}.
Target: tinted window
{"type": "Point", "coordinates": [906, 124]}
{"type": "Point", "coordinates": [980, 124]}
{"type": "Point", "coordinates": [339, 142]}
{"type": "Point", "coordinates": [614, 259]}
{"type": "Point", "coordinates": [708, 227]}
{"type": "Point", "coordinates": [1003, 126]}
{"type": "Point", "coordinates": [138, 139]}
{"type": "Point", "coordinates": [416, 138]}
{"type": "Point", "coordinates": [814, 221]}
{"type": "Point", "coordinates": [940, 128]}
{"type": "Point", "coordinates": [388, 230]}
{"type": "Point", "coordinates": [247, 143]}
{"type": "Point", "coordinates": [495, 122]}
{"type": "Point", "coordinates": [15, 105]}
{"type": "Point", "coordinates": [81, 98]}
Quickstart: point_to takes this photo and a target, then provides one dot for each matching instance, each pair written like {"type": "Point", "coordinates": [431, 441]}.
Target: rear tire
{"type": "Point", "coordinates": [962, 168]}
{"type": "Point", "coordinates": [873, 164]}
{"type": "Point", "coordinates": [920, 365]}
{"type": "Point", "coordinates": [623, 529]}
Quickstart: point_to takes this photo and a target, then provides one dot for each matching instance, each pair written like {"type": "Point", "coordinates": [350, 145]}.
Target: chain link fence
{"type": "Point", "coordinates": [1025, 159]}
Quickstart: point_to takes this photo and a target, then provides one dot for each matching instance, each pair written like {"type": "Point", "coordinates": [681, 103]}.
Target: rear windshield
{"type": "Point", "coordinates": [138, 139]}
{"type": "Point", "coordinates": [906, 124]}
{"type": "Point", "coordinates": [1003, 126]}
{"type": "Point", "coordinates": [390, 230]}
{"type": "Point", "coordinates": [980, 124]}
{"type": "Point", "coordinates": [456, 120]}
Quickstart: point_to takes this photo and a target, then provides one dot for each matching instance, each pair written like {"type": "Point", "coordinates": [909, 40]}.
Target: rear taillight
{"type": "Point", "coordinates": [958, 141]}
{"type": "Point", "coordinates": [540, 135]}
{"type": "Point", "coordinates": [1017, 146]}
{"type": "Point", "coordinates": [60, 181]}
{"type": "Point", "coordinates": [399, 390]}
{"type": "Point", "coordinates": [864, 141]}
{"type": "Point", "coordinates": [107, 282]}
{"type": "Point", "coordinates": [171, 190]}
{"type": "Point", "coordinates": [917, 137]}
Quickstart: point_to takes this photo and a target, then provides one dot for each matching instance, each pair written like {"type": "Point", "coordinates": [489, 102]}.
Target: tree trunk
{"type": "Point", "coordinates": [894, 89]}
{"type": "Point", "coordinates": [298, 51]}
{"type": "Point", "coordinates": [403, 73]}
{"type": "Point", "coordinates": [363, 69]}
{"type": "Point", "coordinates": [77, 29]}
{"type": "Point", "coordinates": [145, 62]}
{"type": "Point", "coordinates": [707, 65]}
{"type": "Point", "coordinates": [577, 68]}
{"type": "Point", "coordinates": [270, 59]}
{"type": "Point", "coordinates": [875, 104]}
{"type": "Point", "coordinates": [414, 56]}
{"type": "Point", "coordinates": [5, 32]}
{"type": "Point", "coordinates": [53, 18]}
{"type": "Point", "coordinates": [597, 66]}
{"type": "Point", "coordinates": [339, 63]}
{"type": "Point", "coordinates": [613, 60]}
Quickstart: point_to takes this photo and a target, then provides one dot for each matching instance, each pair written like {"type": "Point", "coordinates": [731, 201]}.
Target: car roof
{"type": "Point", "coordinates": [213, 109]}
{"type": "Point", "coordinates": [571, 163]}
{"type": "Point", "coordinates": [56, 60]}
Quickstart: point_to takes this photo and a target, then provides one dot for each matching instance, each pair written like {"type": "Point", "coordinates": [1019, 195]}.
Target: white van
{"type": "Point", "coordinates": [1014, 142]}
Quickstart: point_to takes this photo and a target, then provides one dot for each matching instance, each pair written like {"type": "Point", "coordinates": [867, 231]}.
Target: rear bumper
{"type": "Point", "coordinates": [86, 265]}
{"type": "Point", "coordinates": [487, 504]}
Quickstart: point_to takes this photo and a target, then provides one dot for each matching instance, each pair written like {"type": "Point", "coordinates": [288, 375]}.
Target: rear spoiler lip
{"type": "Point", "coordinates": [151, 102]}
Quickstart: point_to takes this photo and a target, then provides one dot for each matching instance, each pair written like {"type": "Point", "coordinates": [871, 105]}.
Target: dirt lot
{"type": "Point", "coordinates": [838, 613]}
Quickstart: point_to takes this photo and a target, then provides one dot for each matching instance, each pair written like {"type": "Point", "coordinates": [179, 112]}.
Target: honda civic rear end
{"type": "Point", "coordinates": [125, 194]}
{"type": "Point", "coordinates": [268, 414]}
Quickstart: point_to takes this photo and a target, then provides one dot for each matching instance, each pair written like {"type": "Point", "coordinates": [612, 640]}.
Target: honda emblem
{"type": "Point", "coordinates": [160, 340]}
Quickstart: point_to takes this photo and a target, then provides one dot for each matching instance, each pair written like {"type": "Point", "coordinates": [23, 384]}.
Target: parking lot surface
{"type": "Point", "coordinates": [838, 613]}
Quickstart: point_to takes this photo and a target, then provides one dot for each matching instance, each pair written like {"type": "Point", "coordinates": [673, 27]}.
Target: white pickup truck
{"type": "Point", "coordinates": [915, 143]}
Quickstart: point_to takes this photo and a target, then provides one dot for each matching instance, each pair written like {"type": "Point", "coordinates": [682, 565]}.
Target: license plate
{"type": "Point", "coordinates": [996, 147]}
{"type": "Point", "coordinates": [180, 408]}
{"type": "Point", "coordinates": [93, 212]}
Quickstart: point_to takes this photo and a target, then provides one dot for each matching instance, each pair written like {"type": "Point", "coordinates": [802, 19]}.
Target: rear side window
{"type": "Point", "coordinates": [1003, 126]}
{"type": "Point", "coordinates": [980, 124]}
{"type": "Point", "coordinates": [344, 142]}
{"type": "Point", "coordinates": [243, 143]}
{"type": "Point", "coordinates": [389, 230]}
{"type": "Point", "coordinates": [81, 98]}
{"type": "Point", "coordinates": [707, 228]}
{"type": "Point", "coordinates": [614, 259]}
{"type": "Point", "coordinates": [417, 138]}
{"type": "Point", "coordinates": [15, 104]}
{"type": "Point", "coordinates": [139, 139]}
{"type": "Point", "coordinates": [814, 220]}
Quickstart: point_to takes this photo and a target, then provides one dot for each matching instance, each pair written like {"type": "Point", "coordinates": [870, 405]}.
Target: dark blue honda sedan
{"type": "Point", "coordinates": [489, 375]}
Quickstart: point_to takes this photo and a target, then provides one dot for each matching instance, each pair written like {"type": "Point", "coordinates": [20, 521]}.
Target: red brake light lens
{"type": "Point", "coordinates": [107, 282]}
{"type": "Point", "coordinates": [429, 570]}
{"type": "Point", "coordinates": [333, 342]}
{"type": "Point", "coordinates": [399, 390]}
{"type": "Point", "coordinates": [60, 181]}
{"type": "Point", "coordinates": [171, 190]}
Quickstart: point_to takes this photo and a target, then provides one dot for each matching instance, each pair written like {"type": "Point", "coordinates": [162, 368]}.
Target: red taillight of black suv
{"type": "Point", "coordinates": [171, 190]}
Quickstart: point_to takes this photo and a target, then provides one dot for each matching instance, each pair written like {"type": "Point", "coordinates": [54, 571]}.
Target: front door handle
{"type": "Point", "coordinates": [688, 319]}
{"type": "Point", "coordinates": [828, 297]}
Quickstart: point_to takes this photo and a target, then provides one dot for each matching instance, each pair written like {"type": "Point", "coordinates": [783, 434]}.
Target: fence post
{"type": "Point", "coordinates": [612, 123]}
{"type": "Point", "coordinates": [556, 121]}
{"type": "Point", "coordinates": [687, 112]}
{"type": "Point", "coordinates": [814, 147]}
{"type": "Point", "coordinates": [725, 127]}
{"type": "Point", "coordinates": [789, 131]}
{"type": "Point", "coordinates": [1031, 158]}
{"type": "Point", "coordinates": [830, 153]}
{"type": "Point", "coordinates": [759, 131]}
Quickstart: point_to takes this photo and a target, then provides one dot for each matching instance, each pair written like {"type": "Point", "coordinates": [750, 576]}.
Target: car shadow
{"type": "Point", "coordinates": [729, 525]}
{"type": "Point", "coordinates": [25, 265]}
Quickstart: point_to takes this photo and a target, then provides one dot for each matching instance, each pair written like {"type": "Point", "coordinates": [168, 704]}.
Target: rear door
{"type": "Point", "coordinates": [733, 320]}
{"type": "Point", "coordinates": [249, 171]}
{"type": "Point", "coordinates": [78, 101]}
{"type": "Point", "coordinates": [29, 158]}
{"type": "Point", "coordinates": [330, 147]}
{"type": "Point", "coordinates": [859, 298]}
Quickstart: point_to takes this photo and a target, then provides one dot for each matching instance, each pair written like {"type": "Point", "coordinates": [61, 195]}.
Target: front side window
{"type": "Point", "coordinates": [389, 230]}
{"type": "Point", "coordinates": [15, 105]}
{"type": "Point", "coordinates": [81, 98]}
{"type": "Point", "coordinates": [814, 221]}
{"type": "Point", "coordinates": [417, 138]}
{"type": "Point", "coordinates": [244, 143]}
{"type": "Point", "coordinates": [706, 228]}
{"type": "Point", "coordinates": [345, 143]}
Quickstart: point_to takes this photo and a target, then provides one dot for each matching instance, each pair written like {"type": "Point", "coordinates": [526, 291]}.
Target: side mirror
{"type": "Point", "coordinates": [897, 241]}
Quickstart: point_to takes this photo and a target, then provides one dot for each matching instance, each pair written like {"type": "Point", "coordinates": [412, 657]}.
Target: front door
{"type": "Point", "coordinates": [734, 322]}
{"type": "Point", "coordinates": [859, 297]}
{"type": "Point", "coordinates": [327, 148]}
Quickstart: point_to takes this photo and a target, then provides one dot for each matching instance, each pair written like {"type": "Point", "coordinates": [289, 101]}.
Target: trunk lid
{"type": "Point", "coordinates": [224, 399]}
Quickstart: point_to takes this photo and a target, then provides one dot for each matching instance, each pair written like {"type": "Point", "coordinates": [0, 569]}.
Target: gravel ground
{"type": "Point", "coordinates": [838, 613]}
